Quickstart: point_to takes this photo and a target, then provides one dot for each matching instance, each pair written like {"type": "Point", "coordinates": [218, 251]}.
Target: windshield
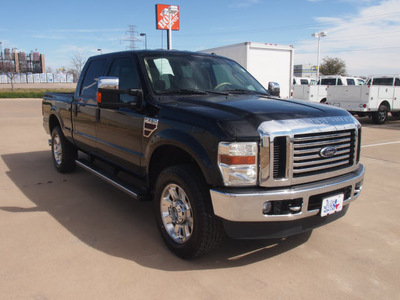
{"type": "Point", "coordinates": [172, 73]}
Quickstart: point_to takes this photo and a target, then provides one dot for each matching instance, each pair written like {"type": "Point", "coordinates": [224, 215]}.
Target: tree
{"type": "Point", "coordinates": [332, 66]}
{"type": "Point", "coordinates": [77, 63]}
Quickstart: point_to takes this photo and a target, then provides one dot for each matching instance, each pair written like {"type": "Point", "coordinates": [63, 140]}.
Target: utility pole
{"type": "Point", "coordinates": [131, 37]}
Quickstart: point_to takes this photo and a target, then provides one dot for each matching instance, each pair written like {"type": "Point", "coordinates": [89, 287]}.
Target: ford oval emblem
{"type": "Point", "coordinates": [327, 152]}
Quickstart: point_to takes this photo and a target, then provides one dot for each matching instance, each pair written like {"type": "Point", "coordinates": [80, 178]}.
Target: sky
{"type": "Point", "coordinates": [363, 33]}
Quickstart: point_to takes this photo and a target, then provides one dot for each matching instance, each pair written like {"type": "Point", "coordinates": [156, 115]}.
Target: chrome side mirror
{"type": "Point", "coordinates": [108, 83]}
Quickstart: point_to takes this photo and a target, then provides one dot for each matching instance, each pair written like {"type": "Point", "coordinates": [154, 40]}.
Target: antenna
{"type": "Point", "coordinates": [131, 37]}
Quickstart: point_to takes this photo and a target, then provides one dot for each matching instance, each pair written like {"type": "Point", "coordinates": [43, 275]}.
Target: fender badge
{"type": "Point", "coordinates": [149, 126]}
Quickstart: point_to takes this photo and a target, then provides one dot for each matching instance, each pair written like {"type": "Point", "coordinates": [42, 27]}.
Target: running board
{"type": "Point", "coordinates": [123, 186]}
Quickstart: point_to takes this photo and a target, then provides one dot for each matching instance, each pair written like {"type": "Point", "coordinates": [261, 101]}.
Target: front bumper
{"type": "Point", "coordinates": [246, 205]}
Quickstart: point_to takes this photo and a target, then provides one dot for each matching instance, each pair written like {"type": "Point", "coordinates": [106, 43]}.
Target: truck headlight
{"type": "Point", "coordinates": [238, 163]}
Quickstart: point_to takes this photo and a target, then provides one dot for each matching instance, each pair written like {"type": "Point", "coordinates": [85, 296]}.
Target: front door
{"type": "Point", "coordinates": [119, 131]}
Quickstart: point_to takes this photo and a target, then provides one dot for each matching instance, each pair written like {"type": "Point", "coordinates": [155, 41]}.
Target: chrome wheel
{"type": "Point", "coordinates": [57, 149]}
{"type": "Point", "coordinates": [176, 213]}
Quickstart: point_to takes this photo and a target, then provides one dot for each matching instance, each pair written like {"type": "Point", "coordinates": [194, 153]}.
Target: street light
{"type": "Point", "coordinates": [318, 35]}
{"type": "Point", "coordinates": [100, 50]}
{"type": "Point", "coordinates": [145, 40]}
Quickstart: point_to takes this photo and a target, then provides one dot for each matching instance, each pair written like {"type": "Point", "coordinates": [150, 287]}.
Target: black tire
{"type": "Point", "coordinates": [380, 117]}
{"type": "Point", "coordinates": [63, 152]}
{"type": "Point", "coordinates": [184, 212]}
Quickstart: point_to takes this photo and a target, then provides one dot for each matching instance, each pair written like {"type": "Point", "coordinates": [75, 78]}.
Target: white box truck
{"type": "Point", "coordinates": [266, 62]}
{"type": "Point", "coordinates": [380, 95]}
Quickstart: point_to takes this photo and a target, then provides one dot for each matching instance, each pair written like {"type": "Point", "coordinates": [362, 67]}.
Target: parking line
{"type": "Point", "coordinates": [382, 144]}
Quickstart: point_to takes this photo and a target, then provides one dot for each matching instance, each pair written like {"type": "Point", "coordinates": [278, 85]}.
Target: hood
{"type": "Point", "coordinates": [241, 115]}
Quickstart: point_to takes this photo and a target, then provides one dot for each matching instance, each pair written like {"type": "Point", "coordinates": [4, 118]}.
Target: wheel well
{"type": "Point", "coordinates": [53, 122]}
{"type": "Point", "coordinates": [166, 156]}
{"type": "Point", "coordinates": [322, 100]}
{"type": "Point", "coordinates": [387, 104]}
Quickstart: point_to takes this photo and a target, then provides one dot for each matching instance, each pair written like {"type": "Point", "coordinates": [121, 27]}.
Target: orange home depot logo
{"type": "Point", "coordinates": [162, 17]}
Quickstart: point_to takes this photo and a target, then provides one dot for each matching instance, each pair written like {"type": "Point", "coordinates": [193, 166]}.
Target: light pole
{"type": "Point", "coordinates": [100, 50]}
{"type": "Point", "coordinates": [145, 40]}
{"type": "Point", "coordinates": [318, 35]}
{"type": "Point", "coordinates": [171, 10]}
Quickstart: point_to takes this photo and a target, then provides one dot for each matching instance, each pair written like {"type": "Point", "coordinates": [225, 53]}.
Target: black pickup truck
{"type": "Point", "coordinates": [199, 136]}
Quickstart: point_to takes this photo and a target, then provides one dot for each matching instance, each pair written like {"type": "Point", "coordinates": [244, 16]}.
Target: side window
{"type": "Point", "coordinates": [125, 69]}
{"type": "Point", "coordinates": [339, 82]}
{"type": "Point", "coordinates": [351, 82]}
{"type": "Point", "coordinates": [89, 85]}
{"type": "Point", "coordinates": [304, 81]}
{"type": "Point", "coordinates": [397, 81]}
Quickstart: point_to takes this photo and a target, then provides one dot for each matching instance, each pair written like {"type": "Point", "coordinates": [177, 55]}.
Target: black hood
{"type": "Point", "coordinates": [241, 115]}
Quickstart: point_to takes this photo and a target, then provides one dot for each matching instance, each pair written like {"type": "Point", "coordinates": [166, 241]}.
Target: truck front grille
{"type": "Point", "coordinates": [308, 157]}
{"type": "Point", "coordinates": [301, 151]}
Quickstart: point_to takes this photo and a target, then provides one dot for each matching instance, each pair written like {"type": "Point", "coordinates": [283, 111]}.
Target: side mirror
{"type": "Point", "coordinates": [109, 94]}
{"type": "Point", "coordinates": [274, 89]}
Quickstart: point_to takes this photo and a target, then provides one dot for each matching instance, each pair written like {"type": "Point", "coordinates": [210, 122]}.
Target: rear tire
{"type": "Point", "coordinates": [63, 152]}
{"type": "Point", "coordinates": [184, 213]}
{"type": "Point", "coordinates": [380, 117]}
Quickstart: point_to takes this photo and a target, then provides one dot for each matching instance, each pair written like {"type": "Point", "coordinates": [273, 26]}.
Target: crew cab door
{"type": "Point", "coordinates": [119, 130]}
{"type": "Point", "coordinates": [84, 106]}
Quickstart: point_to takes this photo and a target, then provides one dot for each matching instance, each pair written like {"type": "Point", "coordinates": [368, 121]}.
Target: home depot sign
{"type": "Point", "coordinates": [162, 17]}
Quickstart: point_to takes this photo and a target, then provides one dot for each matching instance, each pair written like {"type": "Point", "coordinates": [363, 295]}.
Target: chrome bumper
{"type": "Point", "coordinates": [244, 206]}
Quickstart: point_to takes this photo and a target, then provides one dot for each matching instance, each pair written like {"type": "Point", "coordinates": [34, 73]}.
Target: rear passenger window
{"type": "Point", "coordinates": [339, 82]}
{"type": "Point", "coordinates": [304, 81]}
{"type": "Point", "coordinates": [89, 85]}
{"type": "Point", "coordinates": [397, 82]}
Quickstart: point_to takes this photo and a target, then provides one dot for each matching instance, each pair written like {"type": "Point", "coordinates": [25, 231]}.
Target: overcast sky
{"type": "Point", "coordinates": [364, 33]}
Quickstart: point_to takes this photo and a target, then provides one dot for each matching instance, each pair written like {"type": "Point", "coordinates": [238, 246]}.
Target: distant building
{"type": "Point", "coordinates": [20, 62]}
{"type": "Point", "coordinates": [306, 70]}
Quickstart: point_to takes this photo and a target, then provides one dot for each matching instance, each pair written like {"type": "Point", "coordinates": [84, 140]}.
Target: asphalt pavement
{"type": "Point", "coordinates": [71, 236]}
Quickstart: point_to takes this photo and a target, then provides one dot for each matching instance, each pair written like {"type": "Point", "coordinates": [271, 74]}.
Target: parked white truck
{"type": "Point", "coordinates": [318, 93]}
{"type": "Point", "coordinates": [379, 96]}
{"type": "Point", "coordinates": [266, 62]}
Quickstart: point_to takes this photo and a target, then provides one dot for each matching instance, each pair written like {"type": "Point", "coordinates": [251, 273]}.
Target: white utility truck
{"type": "Point", "coordinates": [318, 93]}
{"type": "Point", "coordinates": [268, 63]}
{"type": "Point", "coordinates": [379, 96]}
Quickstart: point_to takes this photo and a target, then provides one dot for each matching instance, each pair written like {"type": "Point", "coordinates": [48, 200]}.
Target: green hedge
{"type": "Point", "coordinates": [34, 93]}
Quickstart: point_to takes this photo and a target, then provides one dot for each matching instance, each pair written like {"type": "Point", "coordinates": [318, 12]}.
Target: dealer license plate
{"type": "Point", "coordinates": [331, 205]}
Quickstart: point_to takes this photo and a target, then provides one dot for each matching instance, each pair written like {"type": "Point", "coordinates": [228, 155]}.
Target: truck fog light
{"type": "Point", "coordinates": [358, 187]}
{"type": "Point", "coordinates": [267, 207]}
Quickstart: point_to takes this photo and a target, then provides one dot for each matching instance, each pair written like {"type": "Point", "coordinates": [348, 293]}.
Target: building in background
{"type": "Point", "coordinates": [306, 70]}
{"type": "Point", "coordinates": [20, 62]}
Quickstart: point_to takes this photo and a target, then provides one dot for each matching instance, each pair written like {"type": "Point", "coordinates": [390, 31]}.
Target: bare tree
{"type": "Point", "coordinates": [77, 63]}
{"type": "Point", "coordinates": [7, 67]}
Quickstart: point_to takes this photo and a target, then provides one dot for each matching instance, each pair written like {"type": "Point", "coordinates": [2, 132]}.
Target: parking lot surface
{"type": "Point", "coordinates": [72, 236]}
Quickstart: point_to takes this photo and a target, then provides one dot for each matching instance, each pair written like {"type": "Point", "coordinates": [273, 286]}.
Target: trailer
{"type": "Point", "coordinates": [266, 62]}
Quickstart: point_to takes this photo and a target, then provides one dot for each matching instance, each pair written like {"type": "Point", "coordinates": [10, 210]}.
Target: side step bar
{"type": "Point", "coordinates": [116, 182]}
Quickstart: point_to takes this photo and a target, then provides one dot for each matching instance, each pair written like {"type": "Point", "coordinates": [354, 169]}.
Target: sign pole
{"type": "Point", "coordinates": [169, 32]}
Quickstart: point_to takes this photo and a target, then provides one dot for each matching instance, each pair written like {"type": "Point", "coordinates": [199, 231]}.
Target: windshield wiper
{"type": "Point", "coordinates": [242, 91]}
{"type": "Point", "coordinates": [184, 91]}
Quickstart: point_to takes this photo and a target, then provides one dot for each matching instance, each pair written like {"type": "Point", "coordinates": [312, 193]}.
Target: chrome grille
{"type": "Point", "coordinates": [307, 158]}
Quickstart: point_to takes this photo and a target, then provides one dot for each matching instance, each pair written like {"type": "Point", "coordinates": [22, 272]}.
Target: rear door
{"type": "Point", "coordinates": [119, 131]}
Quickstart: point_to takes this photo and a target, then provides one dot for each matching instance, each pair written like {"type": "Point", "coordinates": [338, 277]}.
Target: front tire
{"type": "Point", "coordinates": [184, 212]}
{"type": "Point", "coordinates": [63, 152]}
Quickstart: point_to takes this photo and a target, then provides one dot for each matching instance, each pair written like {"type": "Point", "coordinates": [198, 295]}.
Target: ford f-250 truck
{"type": "Point", "coordinates": [198, 135]}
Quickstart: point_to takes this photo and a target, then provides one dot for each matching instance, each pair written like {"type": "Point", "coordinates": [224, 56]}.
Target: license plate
{"type": "Point", "coordinates": [331, 205]}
